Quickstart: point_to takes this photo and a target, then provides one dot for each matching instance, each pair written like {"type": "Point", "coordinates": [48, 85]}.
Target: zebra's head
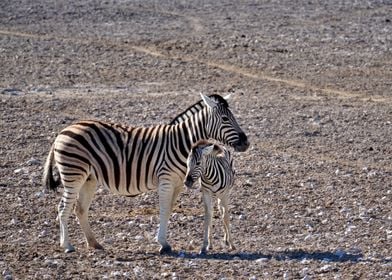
{"type": "Point", "coordinates": [222, 125]}
{"type": "Point", "coordinates": [196, 160]}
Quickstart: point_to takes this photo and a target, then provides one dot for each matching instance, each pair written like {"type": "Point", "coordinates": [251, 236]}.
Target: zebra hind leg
{"type": "Point", "coordinates": [64, 210]}
{"type": "Point", "coordinates": [83, 203]}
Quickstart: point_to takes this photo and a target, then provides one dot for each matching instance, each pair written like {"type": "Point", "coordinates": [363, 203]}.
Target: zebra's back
{"type": "Point", "coordinates": [123, 159]}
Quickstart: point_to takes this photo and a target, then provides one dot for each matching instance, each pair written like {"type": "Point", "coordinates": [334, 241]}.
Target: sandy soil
{"type": "Point", "coordinates": [311, 85]}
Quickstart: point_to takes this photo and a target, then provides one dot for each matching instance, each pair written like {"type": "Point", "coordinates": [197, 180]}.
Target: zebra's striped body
{"type": "Point", "coordinates": [212, 165]}
{"type": "Point", "coordinates": [132, 160]}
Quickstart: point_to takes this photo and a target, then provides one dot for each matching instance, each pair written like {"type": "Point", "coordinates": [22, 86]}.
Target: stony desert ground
{"type": "Point", "coordinates": [310, 84]}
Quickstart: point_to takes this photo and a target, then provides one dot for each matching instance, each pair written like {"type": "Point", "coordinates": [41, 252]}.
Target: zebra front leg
{"type": "Point", "coordinates": [166, 193]}
{"type": "Point", "coordinates": [86, 196]}
{"type": "Point", "coordinates": [208, 211]}
{"type": "Point", "coordinates": [64, 210]}
{"type": "Point", "coordinates": [223, 208]}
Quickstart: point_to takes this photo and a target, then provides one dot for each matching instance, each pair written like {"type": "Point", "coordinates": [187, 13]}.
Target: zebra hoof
{"type": "Point", "coordinates": [95, 246]}
{"type": "Point", "coordinates": [165, 250]}
{"type": "Point", "coordinates": [70, 249]}
{"type": "Point", "coordinates": [99, 247]}
{"type": "Point", "coordinates": [203, 252]}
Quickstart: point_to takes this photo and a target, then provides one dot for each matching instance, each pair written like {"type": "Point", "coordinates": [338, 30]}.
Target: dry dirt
{"type": "Point", "coordinates": [311, 86]}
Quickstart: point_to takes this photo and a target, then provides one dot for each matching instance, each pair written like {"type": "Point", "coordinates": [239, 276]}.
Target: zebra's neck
{"type": "Point", "coordinates": [190, 131]}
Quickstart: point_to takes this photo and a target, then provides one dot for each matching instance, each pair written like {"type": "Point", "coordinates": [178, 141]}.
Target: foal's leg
{"type": "Point", "coordinates": [223, 208]}
{"type": "Point", "coordinates": [207, 241]}
{"type": "Point", "coordinates": [83, 203]}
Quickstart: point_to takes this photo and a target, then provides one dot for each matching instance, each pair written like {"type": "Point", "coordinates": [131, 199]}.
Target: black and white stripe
{"type": "Point", "coordinates": [133, 160]}
{"type": "Point", "coordinates": [212, 166]}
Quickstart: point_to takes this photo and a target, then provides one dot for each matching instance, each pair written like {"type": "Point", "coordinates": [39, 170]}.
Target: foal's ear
{"type": "Point", "coordinates": [208, 150]}
{"type": "Point", "coordinates": [227, 97]}
{"type": "Point", "coordinates": [208, 101]}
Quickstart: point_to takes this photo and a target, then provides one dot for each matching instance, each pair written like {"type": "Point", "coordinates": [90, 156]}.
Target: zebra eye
{"type": "Point", "coordinates": [225, 119]}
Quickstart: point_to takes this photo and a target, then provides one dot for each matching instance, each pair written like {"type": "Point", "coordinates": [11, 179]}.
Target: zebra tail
{"type": "Point", "coordinates": [48, 178]}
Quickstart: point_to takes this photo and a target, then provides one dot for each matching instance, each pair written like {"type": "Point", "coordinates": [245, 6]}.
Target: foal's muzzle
{"type": "Point", "coordinates": [189, 182]}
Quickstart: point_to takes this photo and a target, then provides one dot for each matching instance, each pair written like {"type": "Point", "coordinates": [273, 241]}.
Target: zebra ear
{"type": "Point", "coordinates": [208, 101]}
{"type": "Point", "coordinates": [227, 97]}
{"type": "Point", "coordinates": [208, 150]}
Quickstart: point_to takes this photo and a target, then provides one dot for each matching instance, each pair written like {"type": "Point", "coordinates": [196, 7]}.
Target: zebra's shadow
{"type": "Point", "coordinates": [298, 255]}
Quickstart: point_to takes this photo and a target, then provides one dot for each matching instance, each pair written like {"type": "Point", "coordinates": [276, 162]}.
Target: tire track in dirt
{"type": "Point", "coordinates": [151, 51]}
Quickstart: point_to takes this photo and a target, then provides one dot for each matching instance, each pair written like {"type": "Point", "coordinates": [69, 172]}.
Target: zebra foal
{"type": "Point", "coordinates": [132, 160]}
{"type": "Point", "coordinates": [212, 165]}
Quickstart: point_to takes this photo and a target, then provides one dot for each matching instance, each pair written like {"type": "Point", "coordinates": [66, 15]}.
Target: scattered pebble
{"type": "Point", "coordinates": [241, 217]}
{"type": "Point", "coordinates": [39, 194]}
{"type": "Point", "coordinates": [33, 161]}
{"type": "Point", "coordinates": [21, 170]}
{"type": "Point", "coordinates": [43, 233]}
{"type": "Point", "coordinates": [138, 271]}
{"type": "Point", "coordinates": [139, 237]}
{"type": "Point", "coordinates": [115, 274]}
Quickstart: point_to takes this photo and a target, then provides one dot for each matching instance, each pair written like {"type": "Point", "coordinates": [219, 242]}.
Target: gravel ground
{"type": "Point", "coordinates": [311, 86]}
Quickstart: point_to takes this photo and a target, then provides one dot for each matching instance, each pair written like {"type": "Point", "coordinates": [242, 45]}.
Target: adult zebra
{"type": "Point", "coordinates": [132, 160]}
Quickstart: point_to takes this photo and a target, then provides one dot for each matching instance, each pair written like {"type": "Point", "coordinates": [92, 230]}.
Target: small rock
{"type": "Point", "coordinates": [326, 268]}
{"type": "Point", "coordinates": [43, 233]}
{"type": "Point", "coordinates": [260, 260]}
{"type": "Point", "coordinates": [138, 271]}
{"type": "Point", "coordinates": [241, 217]}
{"type": "Point", "coordinates": [33, 161]}
{"type": "Point", "coordinates": [115, 274]}
{"type": "Point", "coordinates": [39, 194]}
{"type": "Point", "coordinates": [305, 261]}
{"type": "Point", "coordinates": [20, 170]}
{"type": "Point", "coordinates": [139, 237]}
{"type": "Point", "coordinates": [250, 182]}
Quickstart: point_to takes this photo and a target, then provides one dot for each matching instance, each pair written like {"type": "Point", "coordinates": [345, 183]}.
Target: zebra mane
{"type": "Point", "coordinates": [197, 107]}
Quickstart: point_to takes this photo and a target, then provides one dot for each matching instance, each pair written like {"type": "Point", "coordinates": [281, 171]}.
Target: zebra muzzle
{"type": "Point", "coordinates": [243, 144]}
